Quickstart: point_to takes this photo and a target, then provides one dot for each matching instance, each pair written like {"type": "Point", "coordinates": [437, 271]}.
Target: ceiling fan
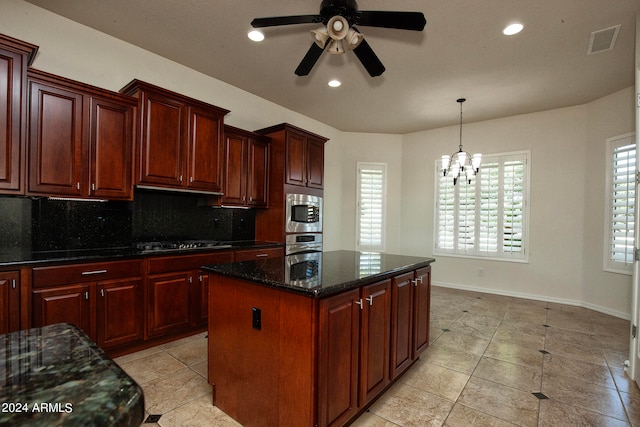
{"type": "Point", "coordinates": [340, 18]}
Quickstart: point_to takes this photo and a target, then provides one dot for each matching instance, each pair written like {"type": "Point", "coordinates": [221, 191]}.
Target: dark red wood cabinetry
{"type": "Point", "coordinates": [297, 166]}
{"type": "Point", "coordinates": [411, 295]}
{"type": "Point", "coordinates": [180, 141]}
{"type": "Point", "coordinates": [246, 171]}
{"type": "Point", "coordinates": [106, 299]}
{"type": "Point", "coordinates": [177, 291]}
{"type": "Point", "coordinates": [311, 362]}
{"type": "Point", "coordinates": [80, 139]}
{"type": "Point", "coordinates": [15, 56]}
{"type": "Point", "coordinates": [9, 301]}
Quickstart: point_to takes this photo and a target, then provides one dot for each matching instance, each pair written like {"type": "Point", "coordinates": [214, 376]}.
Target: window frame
{"type": "Point", "coordinates": [383, 168]}
{"type": "Point", "coordinates": [476, 253]}
{"type": "Point", "coordinates": [608, 264]}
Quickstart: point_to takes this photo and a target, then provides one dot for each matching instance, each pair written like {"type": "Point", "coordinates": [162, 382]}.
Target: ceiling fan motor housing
{"type": "Point", "coordinates": [345, 8]}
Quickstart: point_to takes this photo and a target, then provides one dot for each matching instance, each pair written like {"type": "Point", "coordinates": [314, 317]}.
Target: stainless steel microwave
{"type": "Point", "coordinates": [303, 213]}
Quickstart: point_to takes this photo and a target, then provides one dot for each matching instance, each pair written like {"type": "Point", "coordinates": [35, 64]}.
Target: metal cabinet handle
{"type": "Point", "coordinates": [359, 302]}
{"type": "Point", "coordinates": [86, 295]}
{"type": "Point", "coordinates": [13, 283]}
{"type": "Point", "coordinates": [78, 185]}
{"type": "Point", "coordinates": [370, 299]}
{"type": "Point", "coordinates": [102, 292]}
{"type": "Point", "coordinates": [262, 255]}
{"type": "Point", "coordinates": [93, 272]}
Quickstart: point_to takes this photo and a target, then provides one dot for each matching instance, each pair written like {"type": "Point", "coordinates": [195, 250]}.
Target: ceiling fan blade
{"type": "Point", "coordinates": [369, 59]}
{"type": "Point", "coordinates": [414, 21]}
{"type": "Point", "coordinates": [285, 20]}
{"type": "Point", "coordinates": [310, 59]}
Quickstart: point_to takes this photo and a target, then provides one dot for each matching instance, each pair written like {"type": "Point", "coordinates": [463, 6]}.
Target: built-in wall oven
{"type": "Point", "coordinates": [303, 213]}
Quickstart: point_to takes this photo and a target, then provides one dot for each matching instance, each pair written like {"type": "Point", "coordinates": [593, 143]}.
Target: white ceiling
{"type": "Point", "coordinates": [461, 53]}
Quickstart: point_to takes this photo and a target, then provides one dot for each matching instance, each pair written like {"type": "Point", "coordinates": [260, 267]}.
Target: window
{"type": "Point", "coordinates": [487, 217]}
{"type": "Point", "coordinates": [371, 206]}
{"type": "Point", "coordinates": [621, 198]}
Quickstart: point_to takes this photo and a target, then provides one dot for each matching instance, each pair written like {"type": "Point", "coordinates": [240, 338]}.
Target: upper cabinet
{"type": "Point", "coordinates": [302, 155]}
{"type": "Point", "coordinates": [246, 171]}
{"type": "Point", "coordinates": [180, 141]}
{"type": "Point", "coordinates": [15, 56]}
{"type": "Point", "coordinates": [80, 139]}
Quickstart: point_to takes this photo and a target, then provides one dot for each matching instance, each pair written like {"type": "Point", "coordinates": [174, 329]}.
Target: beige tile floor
{"type": "Point", "coordinates": [493, 361]}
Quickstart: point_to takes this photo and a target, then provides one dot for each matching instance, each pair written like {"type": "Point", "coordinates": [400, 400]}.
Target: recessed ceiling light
{"type": "Point", "coordinates": [256, 36]}
{"type": "Point", "coordinates": [512, 29]}
{"type": "Point", "coordinates": [335, 83]}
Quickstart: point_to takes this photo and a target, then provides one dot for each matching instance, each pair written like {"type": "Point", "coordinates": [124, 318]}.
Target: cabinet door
{"type": "Point", "coordinates": [9, 301]}
{"type": "Point", "coordinates": [206, 151]}
{"type": "Point", "coordinates": [120, 312]}
{"type": "Point", "coordinates": [315, 163]}
{"type": "Point", "coordinates": [63, 304]}
{"type": "Point", "coordinates": [374, 340]}
{"type": "Point", "coordinates": [338, 358]}
{"type": "Point", "coordinates": [296, 159]}
{"type": "Point", "coordinates": [401, 323]}
{"type": "Point", "coordinates": [161, 147]}
{"type": "Point", "coordinates": [169, 297]}
{"type": "Point", "coordinates": [235, 182]}
{"type": "Point", "coordinates": [55, 140]}
{"type": "Point", "coordinates": [110, 150]}
{"type": "Point", "coordinates": [12, 69]}
{"type": "Point", "coordinates": [422, 306]}
{"type": "Point", "coordinates": [258, 174]}
{"type": "Point", "coordinates": [203, 299]}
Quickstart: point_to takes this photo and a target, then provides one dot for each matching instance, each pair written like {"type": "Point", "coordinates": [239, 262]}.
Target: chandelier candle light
{"type": "Point", "coordinates": [461, 162]}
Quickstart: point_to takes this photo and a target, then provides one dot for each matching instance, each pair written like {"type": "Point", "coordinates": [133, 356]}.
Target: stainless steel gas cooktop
{"type": "Point", "coordinates": [180, 245]}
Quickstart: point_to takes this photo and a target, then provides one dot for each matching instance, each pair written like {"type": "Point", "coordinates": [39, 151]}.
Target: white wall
{"type": "Point", "coordinates": [567, 146]}
{"type": "Point", "coordinates": [567, 203]}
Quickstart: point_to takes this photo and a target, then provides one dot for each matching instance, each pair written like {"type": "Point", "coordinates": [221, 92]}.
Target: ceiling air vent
{"type": "Point", "coordinates": [603, 40]}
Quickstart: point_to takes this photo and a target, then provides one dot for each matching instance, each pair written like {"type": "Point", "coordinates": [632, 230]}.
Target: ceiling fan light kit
{"type": "Point", "coordinates": [340, 34]}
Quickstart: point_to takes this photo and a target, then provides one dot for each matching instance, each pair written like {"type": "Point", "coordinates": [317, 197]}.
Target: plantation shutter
{"type": "Point", "coordinates": [622, 203]}
{"type": "Point", "coordinates": [513, 206]}
{"type": "Point", "coordinates": [371, 206]}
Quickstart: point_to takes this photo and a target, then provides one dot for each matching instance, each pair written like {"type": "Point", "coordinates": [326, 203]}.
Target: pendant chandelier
{"type": "Point", "coordinates": [461, 162]}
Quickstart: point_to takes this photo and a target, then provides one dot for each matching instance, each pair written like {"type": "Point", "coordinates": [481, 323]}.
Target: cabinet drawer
{"type": "Point", "coordinates": [251, 254]}
{"type": "Point", "coordinates": [90, 272]}
{"type": "Point", "coordinates": [170, 264]}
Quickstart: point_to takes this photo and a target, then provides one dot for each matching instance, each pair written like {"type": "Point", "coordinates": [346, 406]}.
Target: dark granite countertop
{"type": "Point", "coordinates": [321, 274]}
{"type": "Point", "coordinates": [18, 257]}
{"type": "Point", "coordinates": [57, 376]}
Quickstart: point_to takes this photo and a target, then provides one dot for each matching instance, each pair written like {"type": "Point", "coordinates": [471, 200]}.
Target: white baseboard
{"type": "Point", "coordinates": [605, 310]}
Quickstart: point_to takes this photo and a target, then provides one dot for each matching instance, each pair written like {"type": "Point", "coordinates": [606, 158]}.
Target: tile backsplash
{"type": "Point", "coordinates": [42, 224]}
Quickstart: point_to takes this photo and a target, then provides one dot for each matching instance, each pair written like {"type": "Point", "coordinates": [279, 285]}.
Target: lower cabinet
{"type": "Point", "coordinates": [9, 301]}
{"type": "Point", "coordinates": [280, 358]}
{"type": "Point", "coordinates": [106, 300]}
{"type": "Point", "coordinates": [354, 351]}
{"type": "Point", "coordinates": [411, 296]}
{"type": "Point", "coordinates": [177, 291]}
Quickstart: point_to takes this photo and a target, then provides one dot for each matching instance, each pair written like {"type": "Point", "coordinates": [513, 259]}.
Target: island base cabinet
{"type": "Point", "coordinates": [257, 365]}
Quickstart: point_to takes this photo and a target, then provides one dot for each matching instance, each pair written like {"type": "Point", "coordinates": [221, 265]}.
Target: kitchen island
{"type": "Point", "coordinates": [313, 339]}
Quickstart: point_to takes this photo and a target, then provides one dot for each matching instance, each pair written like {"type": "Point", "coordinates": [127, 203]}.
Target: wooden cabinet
{"type": "Point", "coordinates": [180, 142]}
{"type": "Point", "coordinates": [177, 291]}
{"type": "Point", "coordinates": [252, 254]}
{"type": "Point", "coordinates": [309, 361]}
{"type": "Point", "coordinates": [80, 139]}
{"type": "Point", "coordinates": [297, 166]}
{"type": "Point", "coordinates": [338, 358]}
{"type": "Point", "coordinates": [353, 351]}
{"type": "Point", "coordinates": [15, 56]}
{"type": "Point", "coordinates": [410, 318]}
{"type": "Point", "coordinates": [304, 155]}
{"type": "Point", "coordinates": [9, 301]}
{"type": "Point", "coordinates": [104, 299]}
{"type": "Point", "coordinates": [246, 170]}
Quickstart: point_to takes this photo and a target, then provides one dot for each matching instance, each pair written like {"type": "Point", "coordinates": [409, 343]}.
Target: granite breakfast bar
{"type": "Point", "coordinates": [313, 339]}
